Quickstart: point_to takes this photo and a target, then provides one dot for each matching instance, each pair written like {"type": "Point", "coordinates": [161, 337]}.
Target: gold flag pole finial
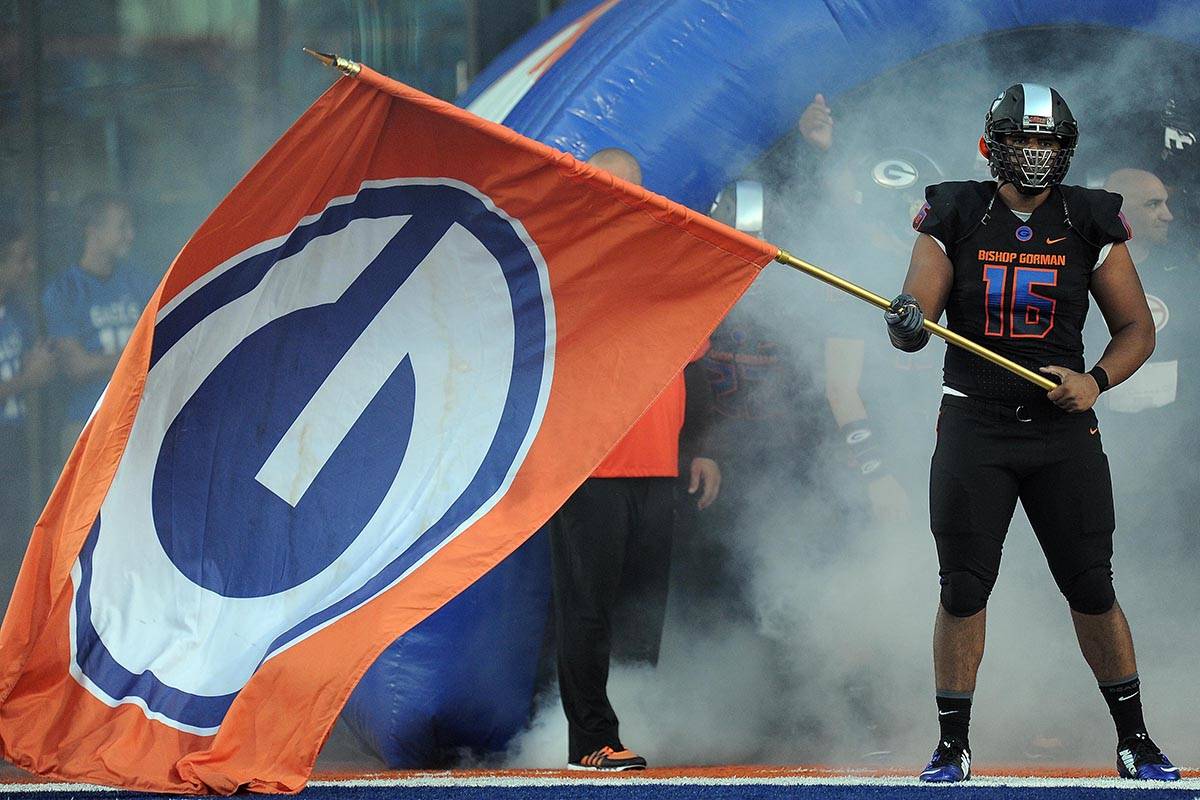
{"type": "Point", "coordinates": [343, 65]}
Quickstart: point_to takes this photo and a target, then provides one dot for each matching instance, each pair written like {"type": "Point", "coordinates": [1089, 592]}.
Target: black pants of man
{"type": "Point", "coordinates": [988, 456]}
{"type": "Point", "coordinates": [610, 547]}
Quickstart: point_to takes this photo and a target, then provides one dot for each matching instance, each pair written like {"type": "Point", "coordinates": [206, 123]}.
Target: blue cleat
{"type": "Point", "coordinates": [950, 763]}
{"type": "Point", "coordinates": [1138, 757]}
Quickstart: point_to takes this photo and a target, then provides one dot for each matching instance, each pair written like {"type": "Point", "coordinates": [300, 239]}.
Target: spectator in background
{"type": "Point", "coordinates": [25, 365]}
{"type": "Point", "coordinates": [758, 402]}
{"type": "Point", "coordinates": [92, 307]}
{"type": "Point", "coordinates": [1157, 136]}
{"type": "Point", "coordinates": [610, 548]}
{"type": "Point", "coordinates": [816, 123]}
{"type": "Point", "coordinates": [1145, 207]}
{"type": "Point", "coordinates": [1169, 280]}
{"type": "Point", "coordinates": [760, 430]}
{"type": "Point", "coordinates": [847, 205]}
{"type": "Point", "coordinates": [1179, 168]}
{"type": "Point", "coordinates": [1156, 409]}
{"type": "Point", "coordinates": [874, 396]}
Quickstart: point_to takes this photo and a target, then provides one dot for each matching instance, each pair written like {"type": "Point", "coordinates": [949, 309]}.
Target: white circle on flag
{"type": "Point", "coordinates": [254, 504]}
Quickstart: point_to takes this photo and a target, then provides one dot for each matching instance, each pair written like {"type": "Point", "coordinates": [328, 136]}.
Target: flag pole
{"type": "Point", "coordinates": [352, 68]}
{"type": "Point", "coordinates": [334, 61]}
{"type": "Point", "coordinates": [786, 258]}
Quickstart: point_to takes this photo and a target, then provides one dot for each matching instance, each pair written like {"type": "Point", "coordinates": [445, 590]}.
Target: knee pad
{"type": "Point", "coordinates": [964, 594]}
{"type": "Point", "coordinates": [1091, 591]}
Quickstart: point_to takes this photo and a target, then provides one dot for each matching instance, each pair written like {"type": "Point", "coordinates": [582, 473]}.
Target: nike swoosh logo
{"type": "Point", "coordinates": [944, 713]}
{"type": "Point", "coordinates": [1094, 431]}
{"type": "Point", "coordinates": [1130, 697]}
{"type": "Point", "coordinates": [1055, 241]}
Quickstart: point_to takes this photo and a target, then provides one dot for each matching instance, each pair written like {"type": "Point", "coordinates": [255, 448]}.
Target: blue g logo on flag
{"type": "Point", "coordinates": [321, 414]}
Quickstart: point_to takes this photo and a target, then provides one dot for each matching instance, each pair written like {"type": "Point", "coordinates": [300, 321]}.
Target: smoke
{"type": "Point", "coordinates": [808, 639]}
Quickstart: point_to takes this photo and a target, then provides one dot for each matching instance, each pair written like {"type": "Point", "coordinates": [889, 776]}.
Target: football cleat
{"type": "Point", "coordinates": [1138, 757]}
{"type": "Point", "coordinates": [608, 760]}
{"type": "Point", "coordinates": [950, 763]}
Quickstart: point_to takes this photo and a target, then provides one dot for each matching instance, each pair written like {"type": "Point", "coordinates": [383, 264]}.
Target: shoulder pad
{"type": "Point", "coordinates": [965, 193]}
{"type": "Point", "coordinates": [1096, 215]}
{"type": "Point", "coordinates": [952, 209]}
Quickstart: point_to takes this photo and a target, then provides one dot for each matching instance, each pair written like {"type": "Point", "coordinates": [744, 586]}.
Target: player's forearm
{"type": "Point", "coordinates": [845, 403]}
{"type": "Point", "coordinates": [1128, 350]}
{"type": "Point", "coordinates": [843, 373]}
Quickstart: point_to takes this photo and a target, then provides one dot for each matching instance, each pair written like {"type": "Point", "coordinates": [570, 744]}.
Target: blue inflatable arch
{"type": "Point", "coordinates": [696, 89]}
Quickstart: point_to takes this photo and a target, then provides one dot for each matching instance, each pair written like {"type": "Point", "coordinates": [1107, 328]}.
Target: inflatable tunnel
{"type": "Point", "coordinates": [697, 90]}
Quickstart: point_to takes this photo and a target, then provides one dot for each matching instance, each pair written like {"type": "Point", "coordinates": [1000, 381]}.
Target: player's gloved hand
{"type": "Point", "coordinates": [1076, 391]}
{"type": "Point", "coordinates": [905, 322]}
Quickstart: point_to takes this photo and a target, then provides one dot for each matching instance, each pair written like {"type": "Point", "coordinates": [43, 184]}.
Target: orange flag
{"type": "Point", "coordinates": [390, 354]}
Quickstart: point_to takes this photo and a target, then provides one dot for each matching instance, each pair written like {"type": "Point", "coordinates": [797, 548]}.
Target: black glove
{"type": "Point", "coordinates": [905, 322]}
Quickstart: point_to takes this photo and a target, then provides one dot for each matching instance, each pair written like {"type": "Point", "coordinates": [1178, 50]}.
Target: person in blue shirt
{"type": "Point", "coordinates": [25, 364]}
{"type": "Point", "coordinates": [91, 307]}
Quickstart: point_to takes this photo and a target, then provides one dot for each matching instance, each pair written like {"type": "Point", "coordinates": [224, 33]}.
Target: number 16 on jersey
{"type": "Point", "coordinates": [1013, 306]}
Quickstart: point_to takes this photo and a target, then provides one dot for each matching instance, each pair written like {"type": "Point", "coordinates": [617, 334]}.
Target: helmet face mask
{"type": "Point", "coordinates": [1023, 111]}
{"type": "Point", "coordinates": [1030, 169]}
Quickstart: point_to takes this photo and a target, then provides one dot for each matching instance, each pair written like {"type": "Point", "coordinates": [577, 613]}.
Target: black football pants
{"type": "Point", "coordinates": [988, 456]}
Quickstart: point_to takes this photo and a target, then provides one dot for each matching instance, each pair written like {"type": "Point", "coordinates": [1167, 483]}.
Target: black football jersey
{"type": "Point", "coordinates": [1020, 286]}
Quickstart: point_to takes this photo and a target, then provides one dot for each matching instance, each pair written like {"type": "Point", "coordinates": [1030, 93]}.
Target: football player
{"type": "Point", "coordinates": [1011, 262]}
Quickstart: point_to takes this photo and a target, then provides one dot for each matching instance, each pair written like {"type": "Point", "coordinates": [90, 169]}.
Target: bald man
{"type": "Point", "coordinates": [618, 162]}
{"type": "Point", "coordinates": [1154, 413]}
{"type": "Point", "coordinates": [610, 550]}
{"type": "Point", "coordinates": [1145, 208]}
{"type": "Point", "coordinates": [1170, 291]}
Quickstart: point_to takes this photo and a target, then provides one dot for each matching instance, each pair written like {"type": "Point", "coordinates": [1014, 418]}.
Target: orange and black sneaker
{"type": "Point", "coordinates": [608, 760]}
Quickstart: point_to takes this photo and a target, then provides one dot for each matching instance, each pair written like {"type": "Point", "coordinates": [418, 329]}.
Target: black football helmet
{"type": "Point", "coordinates": [1029, 108]}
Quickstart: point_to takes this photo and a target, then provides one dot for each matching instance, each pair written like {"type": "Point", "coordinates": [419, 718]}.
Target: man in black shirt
{"type": "Point", "coordinates": [1167, 381]}
{"type": "Point", "coordinates": [1152, 416]}
{"type": "Point", "coordinates": [1012, 262]}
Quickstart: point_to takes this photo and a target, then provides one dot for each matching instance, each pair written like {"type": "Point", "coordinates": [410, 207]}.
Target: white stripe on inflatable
{"type": "Point", "coordinates": [502, 96]}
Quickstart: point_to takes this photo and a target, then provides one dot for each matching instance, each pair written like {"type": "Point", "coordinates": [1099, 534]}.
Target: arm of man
{"type": "Point", "coordinates": [930, 276]}
{"type": "Point", "coordinates": [81, 365]}
{"type": "Point", "coordinates": [1122, 301]}
{"type": "Point", "coordinates": [704, 474]}
{"type": "Point", "coordinates": [926, 289]}
{"type": "Point", "coordinates": [844, 362]}
{"type": "Point", "coordinates": [843, 372]}
{"type": "Point", "coordinates": [37, 368]}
